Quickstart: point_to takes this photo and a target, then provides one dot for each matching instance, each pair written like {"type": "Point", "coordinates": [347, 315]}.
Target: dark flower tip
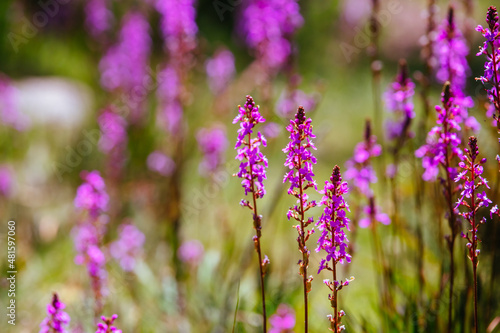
{"type": "Point", "coordinates": [474, 150]}
{"type": "Point", "coordinates": [451, 14]}
{"type": "Point", "coordinates": [300, 116]}
{"type": "Point", "coordinates": [492, 17]}
{"type": "Point", "coordinates": [403, 71]}
{"type": "Point", "coordinates": [250, 104]}
{"type": "Point", "coordinates": [368, 130]}
{"type": "Point", "coordinates": [55, 300]}
{"type": "Point", "coordinates": [336, 176]}
{"type": "Point", "coordinates": [446, 92]}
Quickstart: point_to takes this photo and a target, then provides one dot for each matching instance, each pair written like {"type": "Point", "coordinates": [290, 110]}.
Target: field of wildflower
{"type": "Point", "coordinates": [249, 166]}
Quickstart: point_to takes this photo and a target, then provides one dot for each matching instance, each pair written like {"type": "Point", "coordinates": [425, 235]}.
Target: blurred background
{"type": "Point", "coordinates": [145, 93]}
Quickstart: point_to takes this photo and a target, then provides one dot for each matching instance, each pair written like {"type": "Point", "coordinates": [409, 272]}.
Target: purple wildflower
{"type": "Point", "coordinates": [178, 24]}
{"type": "Point", "coordinates": [472, 200]}
{"type": "Point", "coordinates": [91, 197]}
{"type": "Point", "coordinates": [373, 214]}
{"type": "Point", "coordinates": [272, 130]}
{"type": "Point", "coordinates": [359, 168]}
{"type": "Point", "coordinates": [253, 169]}
{"type": "Point", "coordinates": [108, 327]}
{"type": "Point", "coordinates": [283, 321]}
{"type": "Point", "coordinates": [98, 17]}
{"type": "Point", "coordinates": [113, 141]}
{"type": "Point", "coordinates": [191, 252]}
{"type": "Point", "coordinates": [170, 95]}
{"type": "Point", "coordinates": [124, 66]}
{"type": "Point", "coordinates": [443, 141]}
{"type": "Point", "coordinates": [10, 113]}
{"type": "Point", "coordinates": [57, 320]}
{"type": "Point", "coordinates": [399, 101]}
{"type": "Point", "coordinates": [451, 51]}
{"type": "Point", "coordinates": [267, 26]}
{"type": "Point", "coordinates": [300, 161]}
{"type": "Point", "coordinates": [213, 144]}
{"type": "Point", "coordinates": [333, 222]}
{"type": "Point", "coordinates": [288, 100]}
{"type": "Point", "coordinates": [490, 79]}
{"type": "Point", "coordinates": [160, 163]}
{"type": "Point", "coordinates": [128, 247]}
{"type": "Point", "coordinates": [220, 70]}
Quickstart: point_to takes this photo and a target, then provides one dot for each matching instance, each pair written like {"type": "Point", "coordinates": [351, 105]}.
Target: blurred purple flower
{"type": "Point", "coordinates": [107, 327]}
{"type": "Point", "coordinates": [10, 113]}
{"type": "Point", "coordinates": [213, 144]}
{"type": "Point", "coordinates": [288, 101]}
{"type": "Point", "coordinates": [178, 24]}
{"type": "Point", "coordinates": [191, 252]}
{"type": "Point", "coordinates": [113, 141]}
{"type": "Point", "coordinates": [254, 163]}
{"type": "Point", "coordinates": [6, 178]}
{"type": "Point", "coordinates": [267, 26]}
{"type": "Point", "coordinates": [283, 321]}
{"type": "Point", "coordinates": [359, 168]}
{"type": "Point", "coordinates": [272, 130]}
{"type": "Point", "coordinates": [91, 196]}
{"type": "Point", "coordinates": [124, 66]}
{"type": "Point", "coordinates": [169, 94]}
{"type": "Point", "coordinates": [128, 247]}
{"type": "Point", "coordinates": [57, 320]}
{"type": "Point", "coordinates": [220, 70]}
{"type": "Point", "coordinates": [160, 163]}
{"type": "Point", "coordinates": [333, 222]}
{"type": "Point", "coordinates": [443, 140]}
{"type": "Point", "coordinates": [373, 213]}
{"type": "Point", "coordinates": [399, 101]}
{"type": "Point", "coordinates": [98, 17]}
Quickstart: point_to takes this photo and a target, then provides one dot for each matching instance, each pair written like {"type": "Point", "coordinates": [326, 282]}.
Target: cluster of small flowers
{"type": "Point", "coordinates": [399, 100]}
{"type": "Point", "coordinates": [470, 187]}
{"type": "Point", "coordinates": [113, 141]}
{"type": "Point", "coordinates": [10, 114]}
{"type": "Point", "coordinates": [98, 18]}
{"type": "Point", "coordinates": [178, 24]}
{"type": "Point", "coordinates": [108, 327]}
{"type": "Point", "coordinates": [220, 70]}
{"type": "Point", "coordinates": [91, 197]}
{"type": "Point", "coordinates": [128, 247]}
{"type": "Point", "coordinates": [57, 320]}
{"type": "Point", "coordinates": [253, 166]}
{"type": "Point", "coordinates": [451, 50]}
{"type": "Point", "coordinates": [333, 222]}
{"type": "Point", "coordinates": [283, 321]}
{"type": "Point", "coordinates": [359, 168]}
{"type": "Point", "coordinates": [490, 77]}
{"type": "Point", "coordinates": [267, 26]}
{"type": "Point", "coordinates": [124, 65]}
{"type": "Point", "coordinates": [213, 144]}
{"type": "Point", "coordinates": [443, 140]}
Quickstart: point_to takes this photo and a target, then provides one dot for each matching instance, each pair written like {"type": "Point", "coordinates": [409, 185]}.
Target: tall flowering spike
{"type": "Point", "coordinates": [124, 66]}
{"type": "Point", "coordinates": [443, 141]}
{"type": "Point", "coordinates": [267, 27]}
{"type": "Point", "coordinates": [452, 51]}
{"type": "Point", "coordinates": [170, 91]}
{"type": "Point", "coordinates": [220, 70]}
{"type": "Point", "coordinates": [213, 144]}
{"type": "Point", "coordinates": [399, 101]}
{"type": "Point", "coordinates": [253, 172]}
{"type": "Point", "coordinates": [98, 17]}
{"type": "Point", "coordinates": [359, 167]}
{"type": "Point", "coordinates": [128, 247]}
{"type": "Point", "coordinates": [113, 141]}
{"type": "Point", "coordinates": [92, 199]}
{"type": "Point", "coordinates": [491, 49]}
{"type": "Point", "coordinates": [107, 326]}
{"type": "Point", "coordinates": [57, 320]}
{"type": "Point", "coordinates": [300, 161]}
{"type": "Point", "coordinates": [333, 222]}
{"type": "Point", "coordinates": [254, 163]}
{"type": "Point", "coordinates": [472, 200]}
